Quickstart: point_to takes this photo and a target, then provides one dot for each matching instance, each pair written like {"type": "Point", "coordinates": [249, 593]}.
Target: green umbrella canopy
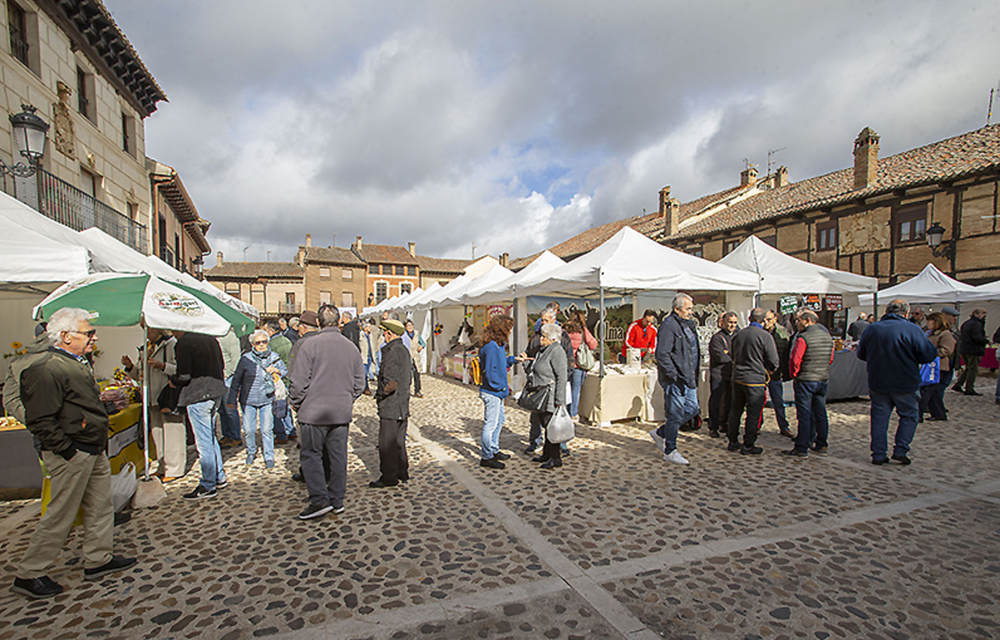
{"type": "Point", "coordinates": [122, 300]}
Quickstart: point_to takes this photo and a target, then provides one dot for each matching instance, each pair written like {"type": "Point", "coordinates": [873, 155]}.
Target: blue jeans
{"type": "Point", "coordinates": [776, 392]}
{"type": "Point", "coordinates": [250, 417]}
{"type": "Point", "coordinates": [229, 418]}
{"type": "Point", "coordinates": [493, 419]}
{"type": "Point", "coordinates": [576, 384]}
{"type": "Point", "coordinates": [810, 407]}
{"type": "Point", "coordinates": [907, 406]}
{"type": "Point", "coordinates": [680, 402]}
{"type": "Point", "coordinates": [202, 417]}
{"type": "Point", "coordinates": [284, 427]}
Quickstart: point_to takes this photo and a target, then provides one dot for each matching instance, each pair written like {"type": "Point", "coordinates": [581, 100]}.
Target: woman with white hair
{"type": "Point", "coordinates": [550, 368]}
{"type": "Point", "coordinates": [253, 387]}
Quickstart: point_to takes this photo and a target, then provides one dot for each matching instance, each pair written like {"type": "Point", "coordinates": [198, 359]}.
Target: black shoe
{"type": "Point", "coordinates": [418, 395]}
{"type": "Point", "coordinates": [492, 463]}
{"type": "Point", "coordinates": [820, 451]}
{"type": "Point", "coordinates": [539, 459]}
{"type": "Point", "coordinates": [116, 563]}
{"type": "Point", "coordinates": [933, 419]}
{"type": "Point", "coordinates": [500, 455]}
{"type": "Point", "coordinates": [788, 434]}
{"type": "Point", "coordinates": [957, 388]}
{"type": "Point", "coordinates": [903, 460]}
{"type": "Point", "coordinates": [314, 511]}
{"type": "Point", "coordinates": [751, 451]}
{"type": "Point", "coordinates": [689, 427]}
{"type": "Point", "coordinates": [713, 433]}
{"type": "Point", "coordinates": [122, 518]}
{"type": "Point", "coordinates": [878, 461]}
{"type": "Point", "coordinates": [973, 393]}
{"type": "Point", "coordinates": [199, 493]}
{"type": "Point", "coordinates": [37, 588]}
{"type": "Point", "coordinates": [530, 450]}
{"type": "Point", "coordinates": [405, 477]}
{"type": "Point", "coordinates": [566, 453]}
{"type": "Point", "coordinates": [298, 477]}
{"type": "Point", "coordinates": [551, 463]}
{"type": "Point", "coordinates": [382, 484]}
{"type": "Point", "coordinates": [795, 453]}
{"type": "Point", "coordinates": [734, 446]}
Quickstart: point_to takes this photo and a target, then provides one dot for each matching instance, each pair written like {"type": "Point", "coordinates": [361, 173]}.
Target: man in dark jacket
{"type": "Point", "coordinates": [678, 355]}
{"type": "Point", "coordinates": [721, 376]}
{"type": "Point", "coordinates": [894, 349]}
{"type": "Point", "coordinates": [755, 358]}
{"type": "Point", "coordinates": [63, 409]}
{"type": "Point", "coordinates": [775, 386]}
{"type": "Point", "coordinates": [857, 328]}
{"type": "Point", "coordinates": [809, 364]}
{"type": "Point", "coordinates": [393, 398]}
{"type": "Point", "coordinates": [351, 329]}
{"type": "Point", "coordinates": [972, 347]}
{"type": "Point", "coordinates": [201, 373]}
{"type": "Point", "coordinates": [327, 377]}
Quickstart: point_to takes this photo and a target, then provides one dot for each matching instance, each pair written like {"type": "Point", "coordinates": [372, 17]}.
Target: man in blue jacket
{"type": "Point", "coordinates": [677, 359]}
{"type": "Point", "coordinates": [894, 349]}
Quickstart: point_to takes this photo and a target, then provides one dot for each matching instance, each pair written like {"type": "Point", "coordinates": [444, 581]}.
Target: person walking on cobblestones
{"type": "Point", "coordinates": [393, 398]}
{"type": "Point", "coordinates": [721, 377]}
{"type": "Point", "coordinates": [200, 372]}
{"type": "Point", "coordinates": [894, 349]}
{"type": "Point", "coordinates": [63, 410]}
{"type": "Point", "coordinates": [809, 365]}
{"type": "Point", "coordinates": [755, 358]}
{"type": "Point", "coordinates": [494, 363]}
{"type": "Point", "coordinates": [327, 377]}
{"type": "Point", "coordinates": [973, 348]}
{"type": "Point", "coordinates": [678, 356]}
{"type": "Point", "coordinates": [550, 368]}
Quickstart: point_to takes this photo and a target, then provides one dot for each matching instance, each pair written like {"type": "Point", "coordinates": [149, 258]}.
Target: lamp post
{"type": "Point", "coordinates": [940, 248]}
{"type": "Point", "coordinates": [30, 133]}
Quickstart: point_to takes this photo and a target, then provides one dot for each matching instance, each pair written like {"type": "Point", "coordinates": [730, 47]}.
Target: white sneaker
{"type": "Point", "coordinates": [675, 457]}
{"type": "Point", "coordinates": [657, 440]}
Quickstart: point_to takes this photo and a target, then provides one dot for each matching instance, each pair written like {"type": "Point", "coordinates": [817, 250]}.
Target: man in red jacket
{"type": "Point", "coordinates": [641, 335]}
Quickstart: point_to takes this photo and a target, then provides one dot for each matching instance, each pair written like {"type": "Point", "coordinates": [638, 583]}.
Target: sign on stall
{"type": "Point", "coordinates": [834, 302]}
{"type": "Point", "coordinates": [788, 304]}
{"type": "Point", "coordinates": [813, 302]}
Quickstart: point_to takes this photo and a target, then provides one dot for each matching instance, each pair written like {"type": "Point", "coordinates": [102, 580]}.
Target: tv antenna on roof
{"type": "Point", "coordinates": [989, 110]}
{"type": "Point", "coordinates": [770, 153]}
{"type": "Point", "coordinates": [473, 250]}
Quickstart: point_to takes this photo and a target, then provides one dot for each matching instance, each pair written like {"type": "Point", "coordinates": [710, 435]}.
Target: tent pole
{"type": "Point", "coordinates": [875, 305]}
{"type": "Point", "coordinates": [600, 326]}
{"type": "Point", "coordinates": [145, 396]}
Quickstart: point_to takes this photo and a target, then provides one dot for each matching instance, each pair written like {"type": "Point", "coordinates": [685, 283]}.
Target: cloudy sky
{"type": "Point", "coordinates": [513, 125]}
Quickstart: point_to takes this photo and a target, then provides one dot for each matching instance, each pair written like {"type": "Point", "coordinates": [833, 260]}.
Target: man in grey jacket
{"type": "Point", "coordinates": [327, 377]}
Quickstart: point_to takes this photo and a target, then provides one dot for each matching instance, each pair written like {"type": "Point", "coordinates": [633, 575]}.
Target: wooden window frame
{"type": "Point", "coordinates": [347, 274]}
{"type": "Point", "coordinates": [827, 235]}
{"type": "Point", "coordinates": [729, 245]}
{"type": "Point", "coordinates": [411, 271]}
{"type": "Point", "coordinates": [910, 214]}
{"type": "Point", "coordinates": [400, 270]}
{"type": "Point", "coordinates": [385, 285]}
{"type": "Point", "coordinates": [324, 276]}
{"type": "Point", "coordinates": [373, 269]}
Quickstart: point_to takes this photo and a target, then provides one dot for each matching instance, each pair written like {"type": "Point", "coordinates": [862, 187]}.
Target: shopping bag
{"type": "Point", "coordinates": [930, 373]}
{"type": "Point", "coordinates": [560, 428]}
{"type": "Point", "coordinates": [280, 390]}
{"type": "Point", "coordinates": [123, 485]}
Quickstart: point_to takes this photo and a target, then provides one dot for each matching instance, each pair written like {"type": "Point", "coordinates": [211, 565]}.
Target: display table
{"type": "Point", "coordinates": [989, 360]}
{"type": "Point", "coordinates": [18, 459]}
{"type": "Point", "coordinates": [848, 377]}
{"type": "Point", "coordinates": [614, 397]}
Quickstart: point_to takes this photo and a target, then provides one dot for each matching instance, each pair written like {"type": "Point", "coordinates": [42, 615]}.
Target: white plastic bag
{"type": "Point", "coordinates": [560, 428]}
{"type": "Point", "coordinates": [123, 486]}
{"type": "Point", "coordinates": [280, 390]}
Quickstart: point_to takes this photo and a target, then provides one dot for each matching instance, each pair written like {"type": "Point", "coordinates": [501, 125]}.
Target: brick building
{"type": "Point", "coordinates": [274, 288]}
{"type": "Point", "coordinates": [331, 275]}
{"type": "Point", "coordinates": [440, 270]}
{"type": "Point", "coordinates": [391, 270]}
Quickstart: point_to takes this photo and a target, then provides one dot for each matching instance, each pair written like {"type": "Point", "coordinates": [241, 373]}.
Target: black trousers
{"type": "Point", "coordinates": [719, 403]}
{"type": "Point", "coordinates": [550, 450]}
{"type": "Point", "coordinates": [393, 462]}
{"type": "Point", "coordinates": [416, 378]}
{"type": "Point", "coordinates": [752, 400]}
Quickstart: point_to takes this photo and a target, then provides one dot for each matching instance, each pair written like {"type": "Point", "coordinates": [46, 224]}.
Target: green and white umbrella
{"type": "Point", "coordinates": [125, 299]}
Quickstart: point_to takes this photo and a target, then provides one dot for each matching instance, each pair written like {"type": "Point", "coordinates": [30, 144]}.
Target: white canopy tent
{"type": "Point", "coordinates": [930, 286]}
{"type": "Point", "coordinates": [457, 285]}
{"type": "Point", "coordinates": [482, 284]}
{"type": "Point", "coordinates": [779, 273]}
{"type": "Point", "coordinates": [423, 295]}
{"type": "Point", "coordinates": [504, 290]}
{"type": "Point", "coordinates": [27, 256]}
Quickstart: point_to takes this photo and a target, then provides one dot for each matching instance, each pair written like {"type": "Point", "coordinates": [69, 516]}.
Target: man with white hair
{"type": "Point", "coordinates": [677, 358]}
{"type": "Point", "coordinates": [63, 409]}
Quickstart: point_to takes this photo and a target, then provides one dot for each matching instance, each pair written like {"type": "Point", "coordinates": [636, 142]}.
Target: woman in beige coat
{"type": "Point", "coordinates": [932, 395]}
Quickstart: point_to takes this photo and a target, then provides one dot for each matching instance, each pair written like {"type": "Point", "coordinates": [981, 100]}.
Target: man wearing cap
{"type": "Point", "coordinates": [393, 398]}
{"type": "Point", "coordinates": [327, 377]}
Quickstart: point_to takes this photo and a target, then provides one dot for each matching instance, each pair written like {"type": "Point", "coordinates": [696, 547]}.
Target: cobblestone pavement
{"type": "Point", "coordinates": [615, 544]}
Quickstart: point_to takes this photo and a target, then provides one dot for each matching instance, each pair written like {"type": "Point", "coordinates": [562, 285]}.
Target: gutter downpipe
{"type": "Point", "coordinates": [600, 327]}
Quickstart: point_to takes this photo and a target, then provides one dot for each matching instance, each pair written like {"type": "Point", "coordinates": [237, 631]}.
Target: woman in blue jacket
{"type": "Point", "coordinates": [494, 362]}
{"type": "Point", "coordinates": [253, 388]}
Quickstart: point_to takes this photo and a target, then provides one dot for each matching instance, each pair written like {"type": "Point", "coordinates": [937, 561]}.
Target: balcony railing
{"type": "Point", "coordinates": [74, 208]}
{"type": "Point", "coordinates": [292, 308]}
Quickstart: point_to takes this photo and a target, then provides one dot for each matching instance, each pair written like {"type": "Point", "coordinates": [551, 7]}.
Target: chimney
{"type": "Point", "coordinates": [358, 244]}
{"type": "Point", "coordinates": [411, 247]}
{"type": "Point", "coordinates": [218, 259]}
{"type": "Point", "coordinates": [505, 259]}
{"type": "Point", "coordinates": [664, 200]}
{"type": "Point", "coordinates": [309, 239]}
{"type": "Point", "coordinates": [781, 177]}
{"type": "Point", "coordinates": [748, 176]}
{"type": "Point", "coordinates": [671, 212]}
{"type": "Point", "coordinates": [865, 159]}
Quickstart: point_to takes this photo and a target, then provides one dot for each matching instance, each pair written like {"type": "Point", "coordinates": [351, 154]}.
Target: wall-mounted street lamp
{"type": "Point", "coordinates": [30, 133]}
{"type": "Point", "coordinates": [940, 249]}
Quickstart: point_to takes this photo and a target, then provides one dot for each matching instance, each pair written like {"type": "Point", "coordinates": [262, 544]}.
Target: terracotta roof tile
{"type": "Point", "coordinates": [332, 255]}
{"type": "Point", "coordinates": [442, 265]}
{"type": "Point", "coordinates": [951, 159]}
{"type": "Point", "coordinates": [384, 254]}
{"type": "Point", "coordinates": [254, 270]}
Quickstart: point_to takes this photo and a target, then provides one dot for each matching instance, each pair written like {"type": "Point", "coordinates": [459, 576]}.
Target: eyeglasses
{"type": "Point", "coordinates": [260, 342]}
{"type": "Point", "coordinates": [90, 334]}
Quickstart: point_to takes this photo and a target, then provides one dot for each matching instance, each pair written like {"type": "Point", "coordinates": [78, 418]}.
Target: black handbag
{"type": "Point", "coordinates": [168, 398]}
{"type": "Point", "coordinates": [279, 409]}
{"type": "Point", "coordinates": [534, 398]}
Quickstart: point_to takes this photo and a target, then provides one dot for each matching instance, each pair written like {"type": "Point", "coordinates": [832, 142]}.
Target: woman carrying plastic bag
{"type": "Point", "coordinates": [550, 368]}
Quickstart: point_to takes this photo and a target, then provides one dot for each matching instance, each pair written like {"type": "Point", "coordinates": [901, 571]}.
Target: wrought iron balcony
{"type": "Point", "coordinates": [292, 308]}
{"type": "Point", "coordinates": [64, 203]}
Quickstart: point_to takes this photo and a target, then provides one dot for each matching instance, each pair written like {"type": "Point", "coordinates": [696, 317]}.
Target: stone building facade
{"type": "Point", "coordinates": [391, 270]}
{"type": "Point", "coordinates": [274, 288]}
{"type": "Point", "coordinates": [179, 232]}
{"type": "Point", "coordinates": [332, 275]}
{"type": "Point", "coordinates": [70, 61]}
